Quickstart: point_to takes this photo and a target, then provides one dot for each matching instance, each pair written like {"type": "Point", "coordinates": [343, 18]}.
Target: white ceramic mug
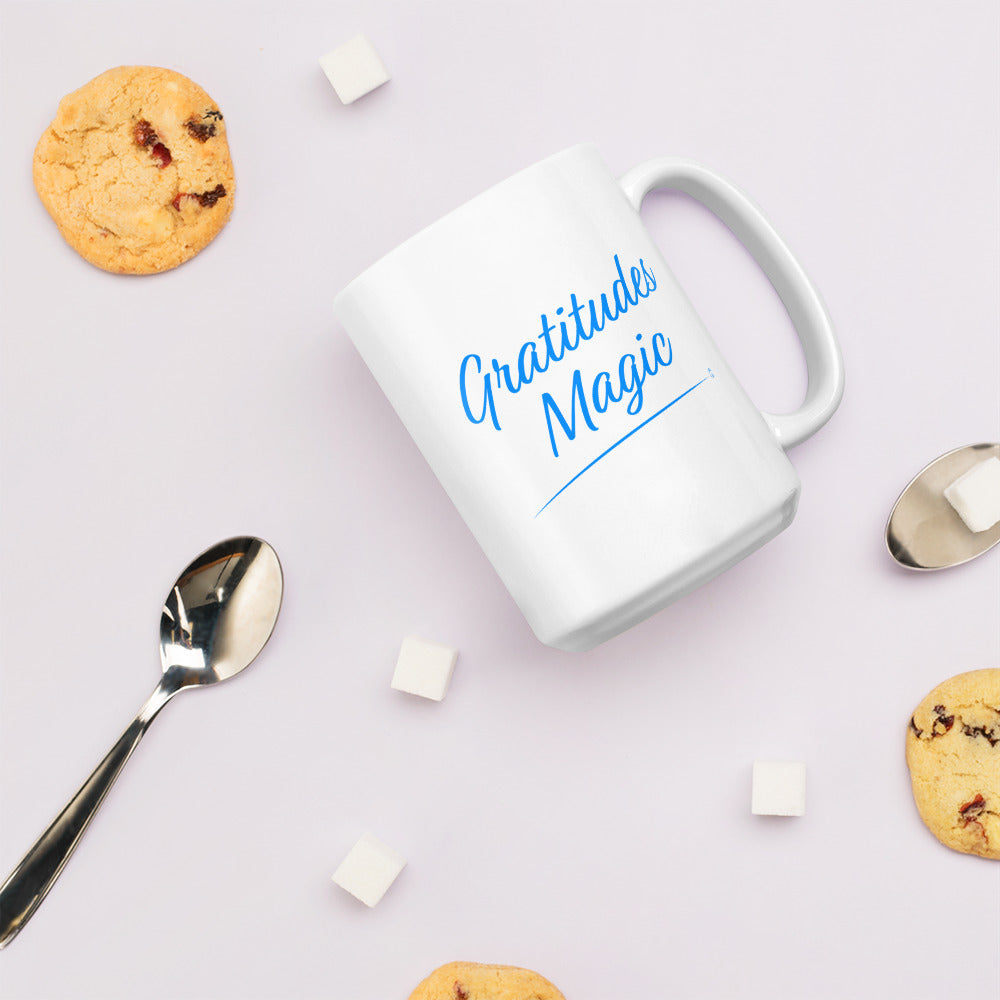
{"type": "Point", "coordinates": [570, 401]}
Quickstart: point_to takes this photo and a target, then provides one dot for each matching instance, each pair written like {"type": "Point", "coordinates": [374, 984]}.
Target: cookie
{"type": "Point", "coordinates": [953, 753]}
{"type": "Point", "coordinates": [472, 981]}
{"type": "Point", "coordinates": [135, 170]}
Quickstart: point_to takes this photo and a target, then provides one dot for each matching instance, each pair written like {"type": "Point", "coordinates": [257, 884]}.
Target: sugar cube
{"type": "Point", "coordinates": [779, 788]}
{"type": "Point", "coordinates": [976, 495]}
{"type": "Point", "coordinates": [354, 69]}
{"type": "Point", "coordinates": [424, 668]}
{"type": "Point", "coordinates": [369, 869]}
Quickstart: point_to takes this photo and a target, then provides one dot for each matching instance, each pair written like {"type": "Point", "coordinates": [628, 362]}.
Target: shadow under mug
{"type": "Point", "coordinates": [570, 401]}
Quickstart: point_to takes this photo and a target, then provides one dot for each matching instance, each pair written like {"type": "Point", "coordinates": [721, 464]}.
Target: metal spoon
{"type": "Point", "coordinates": [215, 621]}
{"type": "Point", "coordinates": [924, 530]}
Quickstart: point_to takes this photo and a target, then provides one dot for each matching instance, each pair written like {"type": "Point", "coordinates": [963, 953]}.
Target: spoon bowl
{"type": "Point", "coordinates": [924, 531]}
{"type": "Point", "coordinates": [216, 619]}
{"type": "Point", "coordinates": [221, 611]}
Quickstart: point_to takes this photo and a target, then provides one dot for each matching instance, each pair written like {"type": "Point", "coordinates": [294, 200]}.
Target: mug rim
{"type": "Point", "coordinates": [488, 192]}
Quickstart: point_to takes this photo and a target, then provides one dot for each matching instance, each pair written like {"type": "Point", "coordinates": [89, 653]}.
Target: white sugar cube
{"type": "Point", "coordinates": [424, 668]}
{"type": "Point", "coordinates": [369, 869]}
{"type": "Point", "coordinates": [976, 495]}
{"type": "Point", "coordinates": [354, 69]}
{"type": "Point", "coordinates": [779, 788]}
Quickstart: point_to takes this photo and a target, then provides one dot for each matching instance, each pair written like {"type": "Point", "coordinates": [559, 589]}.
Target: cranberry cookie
{"type": "Point", "coordinates": [953, 752]}
{"type": "Point", "coordinates": [135, 170]}
{"type": "Point", "coordinates": [472, 981]}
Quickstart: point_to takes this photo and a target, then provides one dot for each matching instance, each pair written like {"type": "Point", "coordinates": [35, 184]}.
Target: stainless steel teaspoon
{"type": "Point", "coordinates": [216, 619]}
{"type": "Point", "coordinates": [924, 531]}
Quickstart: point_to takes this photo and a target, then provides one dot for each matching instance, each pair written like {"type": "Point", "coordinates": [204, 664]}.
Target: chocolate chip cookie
{"type": "Point", "coordinates": [473, 981]}
{"type": "Point", "coordinates": [135, 170]}
{"type": "Point", "coordinates": [953, 752]}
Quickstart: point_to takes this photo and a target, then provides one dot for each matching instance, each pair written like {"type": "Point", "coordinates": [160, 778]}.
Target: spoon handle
{"type": "Point", "coordinates": [31, 880]}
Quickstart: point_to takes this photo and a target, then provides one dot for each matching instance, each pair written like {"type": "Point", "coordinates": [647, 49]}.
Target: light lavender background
{"type": "Point", "coordinates": [584, 815]}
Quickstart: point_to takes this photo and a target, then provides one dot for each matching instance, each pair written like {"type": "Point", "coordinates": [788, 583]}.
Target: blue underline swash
{"type": "Point", "coordinates": [636, 429]}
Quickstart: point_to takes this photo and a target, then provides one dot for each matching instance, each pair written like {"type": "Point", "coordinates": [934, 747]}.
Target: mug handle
{"type": "Point", "coordinates": [824, 365]}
